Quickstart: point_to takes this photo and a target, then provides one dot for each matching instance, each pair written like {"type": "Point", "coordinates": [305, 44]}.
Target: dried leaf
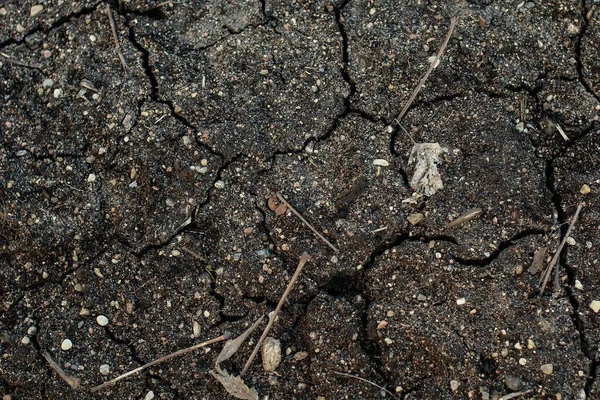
{"type": "Point", "coordinates": [232, 346]}
{"type": "Point", "coordinates": [538, 260]}
{"type": "Point", "coordinates": [234, 385]}
{"type": "Point", "coordinates": [426, 178]}
{"type": "Point", "coordinates": [280, 210]}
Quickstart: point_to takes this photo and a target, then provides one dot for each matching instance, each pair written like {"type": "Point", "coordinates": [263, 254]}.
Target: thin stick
{"type": "Point", "coordinates": [72, 381]}
{"type": "Point", "coordinates": [224, 336]}
{"type": "Point", "coordinates": [305, 257]}
{"type": "Point", "coordinates": [9, 60]}
{"type": "Point", "coordinates": [431, 67]}
{"type": "Point", "coordinates": [281, 198]}
{"type": "Point", "coordinates": [114, 33]}
{"type": "Point", "coordinates": [515, 395]}
{"type": "Point", "coordinates": [548, 272]}
{"type": "Point", "coordinates": [366, 381]}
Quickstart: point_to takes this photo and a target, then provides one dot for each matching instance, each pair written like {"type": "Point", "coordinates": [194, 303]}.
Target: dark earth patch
{"type": "Point", "coordinates": [143, 197]}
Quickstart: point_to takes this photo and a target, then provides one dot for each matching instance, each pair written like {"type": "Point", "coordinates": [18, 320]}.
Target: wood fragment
{"type": "Point", "coordinates": [562, 133]}
{"type": "Point", "coordinates": [545, 277]}
{"type": "Point", "coordinates": [303, 260]}
{"type": "Point", "coordinates": [224, 336]}
{"type": "Point", "coordinates": [538, 260]}
{"type": "Point", "coordinates": [469, 215]}
{"type": "Point", "coordinates": [116, 38]}
{"type": "Point", "coordinates": [7, 59]}
{"type": "Point", "coordinates": [292, 209]}
{"type": "Point", "coordinates": [429, 70]}
{"type": "Point", "coordinates": [366, 381]}
{"type": "Point", "coordinates": [72, 381]}
{"type": "Point", "coordinates": [515, 395]}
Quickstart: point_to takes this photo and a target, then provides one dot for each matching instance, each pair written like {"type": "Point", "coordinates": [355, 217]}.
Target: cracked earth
{"type": "Point", "coordinates": [142, 196]}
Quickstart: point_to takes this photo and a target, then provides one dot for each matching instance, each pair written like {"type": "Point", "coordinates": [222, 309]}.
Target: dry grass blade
{"type": "Point", "coordinates": [72, 381]}
{"type": "Point", "coordinates": [431, 67]}
{"type": "Point", "coordinates": [232, 346]}
{"type": "Point", "coordinates": [515, 395]}
{"type": "Point", "coordinates": [224, 336]}
{"type": "Point", "coordinates": [366, 381]}
{"type": "Point", "coordinates": [292, 209]}
{"type": "Point", "coordinates": [303, 260]}
{"type": "Point", "coordinates": [234, 385]}
{"type": "Point", "coordinates": [5, 58]}
{"type": "Point", "coordinates": [469, 215]}
{"type": "Point", "coordinates": [548, 272]}
{"type": "Point", "coordinates": [116, 38]}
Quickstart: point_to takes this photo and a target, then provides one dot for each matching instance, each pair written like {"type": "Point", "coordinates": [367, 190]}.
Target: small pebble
{"type": "Point", "coordinates": [206, 313]}
{"type": "Point", "coordinates": [175, 253]}
{"type": "Point", "coordinates": [547, 369]}
{"type": "Point", "coordinates": [91, 178]}
{"type": "Point", "coordinates": [32, 330]}
{"type": "Point", "coordinates": [3, 11]}
{"type": "Point", "coordinates": [415, 218]}
{"type": "Point", "coordinates": [57, 93]}
{"type": "Point", "coordinates": [513, 382]}
{"type": "Point", "coordinates": [461, 301]}
{"type": "Point", "coordinates": [585, 189]}
{"type": "Point", "coordinates": [571, 241]}
{"type": "Point", "coordinates": [578, 285]}
{"type": "Point", "coordinates": [271, 354]}
{"type": "Point", "coordinates": [149, 395]}
{"type": "Point", "coordinates": [454, 385]}
{"type": "Point", "coordinates": [522, 361]}
{"type": "Point", "coordinates": [48, 83]}
{"type": "Point", "coordinates": [219, 184]}
{"type": "Point", "coordinates": [196, 329]}
{"type": "Point", "coordinates": [595, 305]}
{"type": "Point", "coordinates": [102, 320]}
{"type": "Point", "coordinates": [25, 340]}
{"type": "Point", "coordinates": [66, 345]}
{"type": "Point", "coordinates": [104, 369]}
{"type": "Point", "coordinates": [35, 10]}
{"type": "Point", "coordinates": [421, 297]}
{"type": "Point", "coordinates": [519, 270]}
{"type": "Point", "coordinates": [530, 344]}
{"type": "Point", "coordinates": [520, 127]}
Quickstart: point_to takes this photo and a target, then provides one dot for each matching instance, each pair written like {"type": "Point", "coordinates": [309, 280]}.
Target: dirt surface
{"type": "Point", "coordinates": [142, 196]}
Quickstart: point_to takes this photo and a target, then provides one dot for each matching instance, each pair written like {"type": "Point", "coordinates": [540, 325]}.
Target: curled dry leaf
{"type": "Point", "coordinates": [234, 385]}
{"type": "Point", "coordinates": [426, 178]}
{"type": "Point", "coordinates": [232, 346]}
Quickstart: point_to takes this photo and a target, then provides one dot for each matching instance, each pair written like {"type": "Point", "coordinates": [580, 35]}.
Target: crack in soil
{"type": "Point", "coordinates": [579, 61]}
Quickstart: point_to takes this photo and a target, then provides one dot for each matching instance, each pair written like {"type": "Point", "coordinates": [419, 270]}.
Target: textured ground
{"type": "Point", "coordinates": [143, 196]}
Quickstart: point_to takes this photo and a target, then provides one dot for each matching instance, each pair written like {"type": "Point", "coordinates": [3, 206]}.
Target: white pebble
{"type": "Point", "coordinates": [93, 38]}
{"type": "Point", "coordinates": [25, 340]}
{"type": "Point", "coordinates": [66, 345]}
{"type": "Point", "coordinates": [57, 93]}
{"type": "Point", "coordinates": [578, 285]}
{"type": "Point", "coordinates": [207, 313]}
{"type": "Point", "coordinates": [149, 395]}
{"type": "Point", "coordinates": [522, 361]}
{"type": "Point", "coordinates": [271, 354]}
{"type": "Point", "coordinates": [196, 329]}
{"type": "Point", "coordinates": [32, 330]}
{"type": "Point", "coordinates": [219, 184]}
{"type": "Point", "coordinates": [102, 320]}
{"type": "Point", "coordinates": [454, 385]}
{"type": "Point", "coordinates": [48, 83]}
{"type": "Point", "coordinates": [104, 369]}
{"type": "Point", "coordinates": [595, 305]}
{"type": "Point", "coordinates": [571, 241]}
{"type": "Point", "coordinates": [547, 369]}
{"type": "Point", "coordinates": [35, 10]}
{"type": "Point", "coordinates": [461, 301]}
{"type": "Point", "coordinates": [91, 178]}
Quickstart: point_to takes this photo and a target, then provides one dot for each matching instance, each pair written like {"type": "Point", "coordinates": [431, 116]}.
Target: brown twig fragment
{"type": "Point", "coordinates": [72, 381]}
{"type": "Point", "coordinates": [548, 272]}
{"type": "Point", "coordinates": [366, 381]}
{"type": "Point", "coordinates": [515, 395]}
{"type": "Point", "coordinates": [292, 209]}
{"type": "Point", "coordinates": [469, 215]}
{"type": "Point", "coordinates": [431, 67]}
{"type": "Point", "coordinates": [303, 260]}
{"type": "Point", "coordinates": [115, 37]}
{"type": "Point", "coordinates": [224, 336]}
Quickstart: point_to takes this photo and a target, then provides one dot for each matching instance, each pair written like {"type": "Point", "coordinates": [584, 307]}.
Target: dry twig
{"type": "Point", "coordinates": [469, 215]}
{"type": "Point", "coordinates": [515, 395]}
{"type": "Point", "coordinates": [115, 37]}
{"type": "Point", "coordinates": [292, 209]}
{"type": "Point", "coordinates": [5, 58]}
{"type": "Point", "coordinates": [365, 380]}
{"type": "Point", "coordinates": [431, 67]}
{"type": "Point", "coordinates": [224, 336]}
{"type": "Point", "coordinates": [305, 257]}
{"type": "Point", "coordinates": [546, 275]}
{"type": "Point", "coordinates": [72, 381]}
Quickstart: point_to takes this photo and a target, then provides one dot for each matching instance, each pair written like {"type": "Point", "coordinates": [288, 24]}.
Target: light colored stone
{"type": "Point", "coordinates": [585, 189]}
{"type": "Point", "coordinates": [105, 369]}
{"type": "Point", "coordinates": [595, 305]}
{"type": "Point", "coordinates": [196, 329]}
{"type": "Point", "coordinates": [381, 162]}
{"type": "Point", "coordinates": [578, 285]}
{"type": "Point", "coordinates": [547, 369]}
{"type": "Point", "coordinates": [461, 301]}
{"type": "Point", "coordinates": [102, 320]}
{"type": "Point", "coordinates": [271, 354]}
{"type": "Point", "coordinates": [35, 10]}
{"type": "Point", "coordinates": [454, 385]}
{"type": "Point", "coordinates": [66, 345]}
